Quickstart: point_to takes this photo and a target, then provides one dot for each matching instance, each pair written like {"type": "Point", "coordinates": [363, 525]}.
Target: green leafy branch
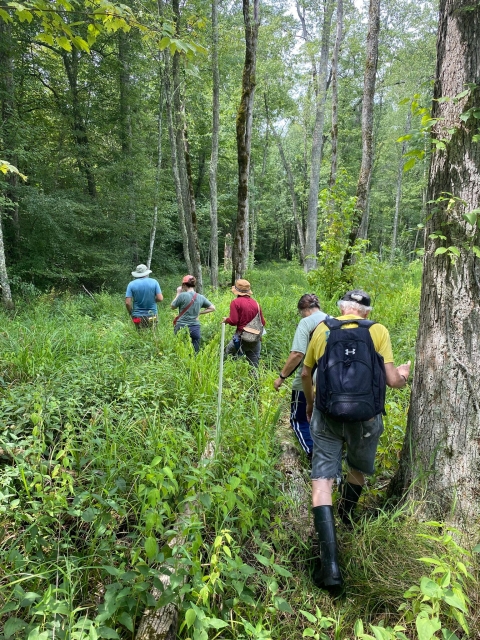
{"type": "Point", "coordinates": [101, 16]}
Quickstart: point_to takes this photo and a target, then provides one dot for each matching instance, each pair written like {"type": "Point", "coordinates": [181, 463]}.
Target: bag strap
{"type": "Point", "coordinates": [175, 320]}
{"type": "Point", "coordinates": [333, 323]}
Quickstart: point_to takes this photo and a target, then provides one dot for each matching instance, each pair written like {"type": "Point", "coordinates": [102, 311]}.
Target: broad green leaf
{"type": "Point", "coordinates": [113, 571]}
{"type": "Point", "coordinates": [108, 632]}
{"type": "Point", "coordinates": [282, 571]}
{"type": "Point", "coordinates": [402, 138]}
{"type": "Point", "coordinates": [151, 547]}
{"type": "Point", "coordinates": [476, 548]}
{"type": "Point", "coordinates": [440, 250]}
{"type": "Point", "coordinates": [358, 628]}
{"type": "Point", "coordinates": [89, 514]}
{"type": "Point", "coordinates": [125, 619]}
{"type": "Point", "coordinates": [381, 633]}
{"type": "Point", "coordinates": [454, 250]}
{"type": "Point", "coordinates": [24, 15]}
{"type": "Point", "coordinates": [426, 627]}
{"type": "Point", "coordinates": [449, 635]}
{"type": "Point", "coordinates": [309, 616]}
{"type": "Point", "coordinates": [45, 37]}
{"type": "Point", "coordinates": [308, 633]}
{"type": "Point", "coordinates": [430, 588]}
{"type": "Point", "coordinates": [190, 617]}
{"type": "Point", "coordinates": [36, 634]}
{"type": "Point", "coordinates": [64, 43]}
{"type": "Point", "coordinates": [470, 217]}
{"type": "Point", "coordinates": [409, 164]}
{"type": "Point", "coordinates": [454, 600]}
{"type": "Point", "coordinates": [5, 16]}
{"type": "Point", "coordinates": [12, 625]}
{"type": "Point", "coordinates": [216, 623]}
{"type": "Point", "coordinates": [262, 559]}
{"type": "Point", "coordinates": [462, 94]}
{"type": "Point", "coordinates": [28, 598]}
{"type": "Point", "coordinates": [282, 605]}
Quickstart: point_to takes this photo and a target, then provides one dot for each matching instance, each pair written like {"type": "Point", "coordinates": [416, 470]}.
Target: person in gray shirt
{"type": "Point", "coordinates": [190, 305]}
{"type": "Point", "coordinates": [309, 309]}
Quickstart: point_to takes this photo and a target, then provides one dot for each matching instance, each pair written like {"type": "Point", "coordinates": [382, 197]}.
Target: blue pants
{"type": "Point", "coordinates": [299, 422]}
{"type": "Point", "coordinates": [194, 330]}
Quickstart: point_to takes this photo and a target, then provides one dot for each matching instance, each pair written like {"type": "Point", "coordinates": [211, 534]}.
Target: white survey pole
{"type": "Point", "coordinates": [220, 387]}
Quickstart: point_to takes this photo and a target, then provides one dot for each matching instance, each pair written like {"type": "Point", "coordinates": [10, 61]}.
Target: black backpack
{"type": "Point", "coordinates": [351, 380]}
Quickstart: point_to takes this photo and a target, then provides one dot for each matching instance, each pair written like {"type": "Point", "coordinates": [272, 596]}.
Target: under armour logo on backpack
{"type": "Point", "coordinates": [349, 353]}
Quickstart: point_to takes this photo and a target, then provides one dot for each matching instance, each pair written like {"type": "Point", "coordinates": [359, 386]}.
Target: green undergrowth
{"type": "Point", "coordinates": [101, 442]}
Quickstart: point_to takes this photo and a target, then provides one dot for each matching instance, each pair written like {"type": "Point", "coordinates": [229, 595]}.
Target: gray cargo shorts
{"type": "Point", "coordinates": [329, 436]}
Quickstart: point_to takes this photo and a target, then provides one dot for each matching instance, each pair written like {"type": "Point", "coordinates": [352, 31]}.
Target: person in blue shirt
{"type": "Point", "coordinates": [142, 296]}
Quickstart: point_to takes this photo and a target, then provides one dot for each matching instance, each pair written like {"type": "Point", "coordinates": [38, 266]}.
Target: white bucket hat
{"type": "Point", "coordinates": [141, 271]}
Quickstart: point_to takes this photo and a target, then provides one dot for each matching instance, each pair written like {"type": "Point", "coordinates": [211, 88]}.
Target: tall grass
{"type": "Point", "coordinates": [102, 430]}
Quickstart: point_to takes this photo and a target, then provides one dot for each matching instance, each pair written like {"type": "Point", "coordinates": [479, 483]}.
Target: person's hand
{"type": "Point", "coordinates": [309, 411]}
{"type": "Point", "coordinates": [404, 370]}
{"type": "Point", "coordinates": [179, 289]}
{"type": "Point", "coordinates": [277, 383]}
{"type": "Point", "coordinates": [223, 320]}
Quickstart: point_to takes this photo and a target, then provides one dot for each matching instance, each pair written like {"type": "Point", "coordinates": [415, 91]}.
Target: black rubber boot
{"type": "Point", "coordinates": [326, 574]}
{"type": "Point", "coordinates": [348, 501]}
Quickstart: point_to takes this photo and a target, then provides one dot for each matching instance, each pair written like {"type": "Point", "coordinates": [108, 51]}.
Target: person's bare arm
{"type": "Point", "coordinates": [128, 304]}
{"type": "Point", "coordinates": [158, 297]}
{"type": "Point", "coordinates": [207, 310]}
{"type": "Point", "coordinates": [307, 385]}
{"type": "Point", "coordinates": [397, 376]}
{"type": "Point", "coordinates": [290, 365]}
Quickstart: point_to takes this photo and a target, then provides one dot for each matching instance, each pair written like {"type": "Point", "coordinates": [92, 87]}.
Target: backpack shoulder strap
{"type": "Point", "coordinates": [333, 323]}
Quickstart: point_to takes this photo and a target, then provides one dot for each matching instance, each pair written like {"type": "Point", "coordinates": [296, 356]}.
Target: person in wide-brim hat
{"type": "Point", "coordinates": [242, 288]}
{"type": "Point", "coordinates": [243, 310]}
{"type": "Point", "coordinates": [142, 296]}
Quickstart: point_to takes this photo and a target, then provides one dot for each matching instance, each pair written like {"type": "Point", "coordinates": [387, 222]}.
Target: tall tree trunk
{"type": "Point", "coordinates": [244, 137]}
{"type": "Point", "coordinates": [398, 196]}
{"type": "Point", "coordinates": [334, 134]}
{"type": "Point", "coordinates": [441, 451]}
{"type": "Point", "coordinates": [183, 160]}
{"type": "Point", "coordinates": [359, 225]}
{"type": "Point", "coordinates": [214, 156]}
{"type": "Point", "coordinates": [175, 171]}
{"type": "Point", "coordinates": [125, 122]}
{"type": "Point", "coordinates": [290, 182]}
{"type": "Point", "coordinates": [317, 141]}
{"type": "Point", "coordinates": [4, 283]}
{"type": "Point", "coordinates": [153, 231]}
{"type": "Point", "coordinates": [8, 131]}
{"type": "Point", "coordinates": [77, 121]}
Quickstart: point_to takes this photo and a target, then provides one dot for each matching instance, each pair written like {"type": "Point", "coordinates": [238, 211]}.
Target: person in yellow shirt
{"type": "Point", "coordinates": [329, 436]}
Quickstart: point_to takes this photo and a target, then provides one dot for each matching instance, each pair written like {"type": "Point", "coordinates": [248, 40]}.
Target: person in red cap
{"type": "Point", "coordinates": [190, 305]}
{"type": "Point", "coordinates": [243, 310]}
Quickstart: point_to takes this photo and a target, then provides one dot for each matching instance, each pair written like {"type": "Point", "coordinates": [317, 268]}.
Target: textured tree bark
{"type": "Point", "coordinates": [334, 133]}
{"type": "Point", "coordinates": [175, 172]}
{"type": "Point", "coordinates": [440, 459]}
{"type": "Point", "coordinates": [214, 156]}
{"type": "Point", "coordinates": [4, 283]}
{"type": "Point", "coordinates": [359, 225]}
{"type": "Point", "coordinates": [244, 138]}
{"type": "Point", "coordinates": [77, 120]}
{"type": "Point", "coordinates": [8, 133]}
{"type": "Point", "coordinates": [398, 196]}
{"type": "Point", "coordinates": [290, 182]}
{"type": "Point", "coordinates": [126, 137]}
{"type": "Point", "coordinates": [153, 231]}
{"type": "Point", "coordinates": [183, 160]}
{"type": "Point", "coordinates": [317, 141]}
